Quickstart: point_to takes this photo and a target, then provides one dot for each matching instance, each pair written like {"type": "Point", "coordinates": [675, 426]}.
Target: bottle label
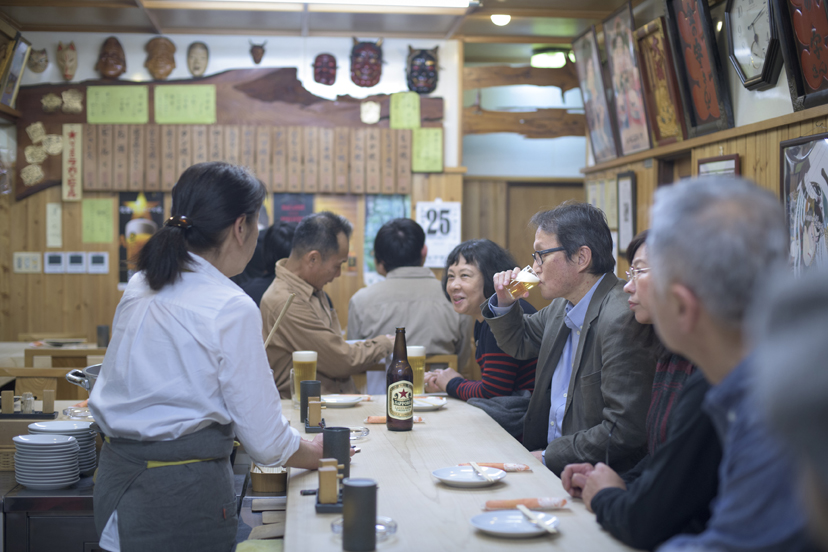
{"type": "Point", "coordinates": [401, 400]}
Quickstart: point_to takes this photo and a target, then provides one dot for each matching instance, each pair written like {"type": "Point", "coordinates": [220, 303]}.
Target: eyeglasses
{"type": "Point", "coordinates": [537, 256]}
{"type": "Point", "coordinates": [633, 273]}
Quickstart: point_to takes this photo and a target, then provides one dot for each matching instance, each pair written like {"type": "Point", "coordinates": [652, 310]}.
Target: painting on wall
{"type": "Point", "coordinates": [630, 110]}
{"type": "Point", "coordinates": [703, 82]}
{"type": "Point", "coordinates": [797, 21]}
{"type": "Point", "coordinates": [661, 92]}
{"type": "Point", "coordinates": [598, 115]}
{"type": "Point", "coordinates": [140, 215]}
{"type": "Point", "coordinates": [804, 191]}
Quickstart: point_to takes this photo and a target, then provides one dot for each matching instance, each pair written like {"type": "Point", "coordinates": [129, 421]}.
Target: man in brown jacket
{"type": "Point", "coordinates": [320, 247]}
{"type": "Point", "coordinates": [594, 377]}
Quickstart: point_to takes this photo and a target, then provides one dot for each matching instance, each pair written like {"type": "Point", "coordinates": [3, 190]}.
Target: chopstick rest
{"type": "Point", "coordinates": [535, 519]}
{"type": "Point", "coordinates": [548, 503]}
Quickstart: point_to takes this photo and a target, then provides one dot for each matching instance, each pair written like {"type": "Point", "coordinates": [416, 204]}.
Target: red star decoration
{"type": "Point", "coordinates": [403, 393]}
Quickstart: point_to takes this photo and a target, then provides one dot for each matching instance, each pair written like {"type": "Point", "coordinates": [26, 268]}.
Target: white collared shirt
{"type": "Point", "coordinates": [188, 356]}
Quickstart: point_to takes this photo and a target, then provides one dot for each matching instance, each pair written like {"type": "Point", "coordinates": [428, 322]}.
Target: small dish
{"type": "Point", "coordinates": [359, 433]}
{"type": "Point", "coordinates": [424, 404]}
{"type": "Point", "coordinates": [340, 401]}
{"type": "Point", "coordinates": [465, 476]}
{"type": "Point", "coordinates": [512, 524]}
{"type": "Point", "coordinates": [385, 527]}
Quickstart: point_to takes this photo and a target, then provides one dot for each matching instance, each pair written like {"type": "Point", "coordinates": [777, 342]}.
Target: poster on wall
{"type": "Point", "coordinates": [441, 222]}
{"type": "Point", "coordinates": [379, 209]}
{"type": "Point", "coordinates": [140, 215]}
{"type": "Point", "coordinates": [804, 190]}
{"type": "Point", "coordinates": [291, 207]}
{"type": "Point", "coordinates": [345, 205]}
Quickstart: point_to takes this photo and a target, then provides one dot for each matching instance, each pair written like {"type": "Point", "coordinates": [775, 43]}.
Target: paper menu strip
{"type": "Point", "coordinates": [169, 176]}
{"type": "Point", "coordinates": [388, 161]}
{"type": "Point", "coordinates": [341, 156]}
{"type": "Point", "coordinates": [263, 163]}
{"type": "Point", "coordinates": [105, 144]}
{"type": "Point", "coordinates": [372, 161]}
{"type": "Point", "coordinates": [137, 160]}
{"type": "Point", "coordinates": [403, 161]}
{"type": "Point", "coordinates": [357, 160]}
{"type": "Point", "coordinates": [152, 156]}
{"type": "Point", "coordinates": [310, 151]}
{"type": "Point", "coordinates": [279, 159]}
{"type": "Point", "coordinates": [326, 156]}
{"type": "Point", "coordinates": [90, 157]}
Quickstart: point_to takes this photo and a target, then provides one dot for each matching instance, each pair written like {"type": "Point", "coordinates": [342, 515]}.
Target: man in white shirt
{"type": "Point", "coordinates": [410, 297]}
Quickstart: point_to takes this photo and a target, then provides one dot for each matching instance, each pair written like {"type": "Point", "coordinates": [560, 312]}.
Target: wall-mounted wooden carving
{"type": "Point", "coordinates": [543, 123]}
{"type": "Point", "coordinates": [245, 100]}
{"type": "Point", "coordinates": [564, 78]}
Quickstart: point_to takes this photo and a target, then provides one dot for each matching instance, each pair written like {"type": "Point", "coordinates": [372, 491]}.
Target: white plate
{"type": "Point", "coordinates": [465, 476]}
{"type": "Point", "coordinates": [48, 451]}
{"type": "Point", "coordinates": [59, 426]}
{"type": "Point", "coordinates": [340, 401]}
{"type": "Point", "coordinates": [43, 441]}
{"type": "Point", "coordinates": [44, 479]}
{"type": "Point", "coordinates": [512, 524]}
{"type": "Point", "coordinates": [429, 403]}
{"type": "Point", "coordinates": [50, 475]}
{"type": "Point", "coordinates": [43, 486]}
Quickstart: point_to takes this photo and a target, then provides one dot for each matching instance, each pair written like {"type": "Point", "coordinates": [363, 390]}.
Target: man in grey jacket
{"type": "Point", "coordinates": [594, 375]}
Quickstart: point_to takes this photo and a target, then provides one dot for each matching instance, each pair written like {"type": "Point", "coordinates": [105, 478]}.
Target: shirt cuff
{"type": "Point", "coordinates": [499, 311]}
{"type": "Point", "coordinates": [453, 384]}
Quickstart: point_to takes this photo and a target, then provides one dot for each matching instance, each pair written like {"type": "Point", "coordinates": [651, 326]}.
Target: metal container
{"type": "Point", "coordinates": [84, 378]}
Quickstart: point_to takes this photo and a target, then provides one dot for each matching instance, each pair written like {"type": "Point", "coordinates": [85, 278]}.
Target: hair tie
{"type": "Point", "coordinates": [179, 221]}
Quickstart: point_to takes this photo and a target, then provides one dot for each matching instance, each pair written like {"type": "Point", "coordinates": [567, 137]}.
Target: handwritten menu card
{"type": "Point", "coordinates": [117, 105]}
{"type": "Point", "coordinates": [405, 110]}
{"type": "Point", "coordinates": [427, 150]}
{"type": "Point", "coordinates": [187, 104]}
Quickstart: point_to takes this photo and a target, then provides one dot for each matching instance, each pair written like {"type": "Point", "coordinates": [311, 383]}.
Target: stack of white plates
{"type": "Point", "coordinates": [44, 462]}
{"type": "Point", "coordinates": [87, 459]}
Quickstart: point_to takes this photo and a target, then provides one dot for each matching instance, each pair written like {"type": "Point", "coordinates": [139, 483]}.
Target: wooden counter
{"type": "Point", "coordinates": [429, 514]}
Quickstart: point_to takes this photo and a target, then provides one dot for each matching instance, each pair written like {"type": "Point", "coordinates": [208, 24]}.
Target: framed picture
{"type": "Point", "coordinates": [630, 109]}
{"type": "Point", "coordinates": [626, 210]}
{"type": "Point", "coordinates": [596, 105]}
{"type": "Point", "coordinates": [722, 165]}
{"type": "Point", "coordinates": [661, 91]}
{"type": "Point", "coordinates": [11, 84]}
{"type": "Point", "coordinates": [804, 190]}
{"type": "Point", "coordinates": [796, 22]}
{"type": "Point", "coordinates": [702, 80]}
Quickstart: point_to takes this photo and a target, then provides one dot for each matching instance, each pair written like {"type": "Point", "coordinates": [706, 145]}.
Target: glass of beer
{"type": "Point", "coordinates": [416, 358]}
{"type": "Point", "coordinates": [526, 280]}
{"type": "Point", "coordinates": [304, 369]}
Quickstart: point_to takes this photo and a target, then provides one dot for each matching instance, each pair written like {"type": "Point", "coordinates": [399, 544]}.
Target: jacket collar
{"type": "Point", "coordinates": [296, 284]}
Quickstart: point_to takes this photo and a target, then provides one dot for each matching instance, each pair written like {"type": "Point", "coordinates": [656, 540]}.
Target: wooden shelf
{"type": "Point", "coordinates": [9, 114]}
{"type": "Point", "coordinates": [678, 148]}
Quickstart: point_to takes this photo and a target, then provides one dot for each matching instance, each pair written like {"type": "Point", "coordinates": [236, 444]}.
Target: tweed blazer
{"type": "Point", "coordinates": [611, 380]}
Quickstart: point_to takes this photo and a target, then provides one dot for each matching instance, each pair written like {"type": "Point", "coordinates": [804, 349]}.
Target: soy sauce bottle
{"type": "Point", "coordinates": [399, 404]}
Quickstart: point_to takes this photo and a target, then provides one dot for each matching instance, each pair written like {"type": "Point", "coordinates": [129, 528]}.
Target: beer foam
{"type": "Point", "coordinates": [416, 351]}
{"type": "Point", "coordinates": [304, 356]}
{"type": "Point", "coordinates": [525, 276]}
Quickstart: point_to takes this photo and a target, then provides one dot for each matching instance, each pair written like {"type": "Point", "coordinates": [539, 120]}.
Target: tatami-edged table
{"type": "Point", "coordinates": [429, 514]}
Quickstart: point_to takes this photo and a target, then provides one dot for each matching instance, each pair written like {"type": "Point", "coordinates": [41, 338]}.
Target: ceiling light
{"type": "Point", "coordinates": [550, 58]}
{"type": "Point", "coordinates": [500, 20]}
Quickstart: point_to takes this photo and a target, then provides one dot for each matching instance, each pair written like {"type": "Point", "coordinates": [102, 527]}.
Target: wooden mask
{"type": "Point", "coordinates": [38, 60]}
{"type": "Point", "coordinates": [111, 61]}
{"type": "Point", "coordinates": [67, 60]}
{"type": "Point", "coordinates": [421, 70]}
{"type": "Point", "coordinates": [366, 63]}
{"type": "Point", "coordinates": [198, 56]}
{"type": "Point", "coordinates": [257, 51]}
{"type": "Point", "coordinates": [160, 57]}
{"type": "Point", "coordinates": [324, 69]}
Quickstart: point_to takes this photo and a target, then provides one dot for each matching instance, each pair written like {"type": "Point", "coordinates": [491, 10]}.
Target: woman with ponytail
{"type": "Point", "coordinates": [184, 373]}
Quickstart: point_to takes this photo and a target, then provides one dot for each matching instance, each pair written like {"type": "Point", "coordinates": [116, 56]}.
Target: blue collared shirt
{"type": "Point", "coordinates": [574, 320]}
{"type": "Point", "coordinates": [756, 507]}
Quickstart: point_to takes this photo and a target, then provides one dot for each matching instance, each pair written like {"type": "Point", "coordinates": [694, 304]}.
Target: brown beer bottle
{"type": "Point", "coordinates": [399, 403]}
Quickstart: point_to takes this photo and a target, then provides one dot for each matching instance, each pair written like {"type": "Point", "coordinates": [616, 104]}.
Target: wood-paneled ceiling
{"type": "Point", "coordinates": [533, 21]}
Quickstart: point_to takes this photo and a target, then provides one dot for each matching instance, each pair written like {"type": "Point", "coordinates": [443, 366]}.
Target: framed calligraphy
{"type": "Point", "coordinates": [596, 105]}
{"type": "Point", "coordinates": [661, 90]}
{"type": "Point", "coordinates": [703, 82]}
{"type": "Point", "coordinates": [627, 214]}
{"type": "Point", "coordinates": [804, 190]}
{"type": "Point", "coordinates": [803, 34]}
{"type": "Point", "coordinates": [630, 110]}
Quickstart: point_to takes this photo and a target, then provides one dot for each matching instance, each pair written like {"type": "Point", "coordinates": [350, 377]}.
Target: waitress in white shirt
{"type": "Point", "coordinates": [186, 371]}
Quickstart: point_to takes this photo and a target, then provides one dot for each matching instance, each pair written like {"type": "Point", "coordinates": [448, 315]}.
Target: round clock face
{"type": "Point", "coordinates": [750, 33]}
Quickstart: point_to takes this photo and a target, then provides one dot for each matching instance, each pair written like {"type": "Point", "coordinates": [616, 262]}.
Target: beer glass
{"type": "Point", "coordinates": [304, 369]}
{"type": "Point", "coordinates": [526, 280]}
{"type": "Point", "coordinates": [416, 358]}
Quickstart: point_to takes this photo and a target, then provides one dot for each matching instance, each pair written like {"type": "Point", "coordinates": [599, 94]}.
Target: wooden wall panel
{"type": "Point", "coordinates": [310, 151]}
{"type": "Point", "coordinates": [279, 172]}
{"type": "Point", "coordinates": [215, 143]}
{"type": "Point", "coordinates": [90, 157]}
{"type": "Point", "coordinates": [484, 212]}
{"type": "Point", "coordinates": [326, 160]}
{"type": "Point", "coordinates": [152, 167]}
{"type": "Point", "coordinates": [232, 143]}
{"type": "Point", "coordinates": [183, 149]}
{"type": "Point", "coordinates": [137, 159]}
{"type": "Point", "coordinates": [169, 176]}
{"type": "Point", "coordinates": [263, 159]}
{"type": "Point", "coordinates": [200, 148]}
{"type": "Point", "coordinates": [388, 161]}
{"type": "Point", "coordinates": [372, 161]}
{"type": "Point", "coordinates": [294, 159]}
{"type": "Point", "coordinates": [357, 160]}
{"type": "Point", "coordinates": [342, 140]}
{"type": "Point", "coordinates": [104, 157]}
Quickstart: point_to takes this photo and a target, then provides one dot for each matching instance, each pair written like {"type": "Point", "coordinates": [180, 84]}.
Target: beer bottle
{"type": "Point", "coordinates": [399, 404]}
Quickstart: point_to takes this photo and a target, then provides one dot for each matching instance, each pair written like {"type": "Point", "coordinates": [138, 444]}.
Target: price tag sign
{"type": "Point", "coordinates": [441, 222]}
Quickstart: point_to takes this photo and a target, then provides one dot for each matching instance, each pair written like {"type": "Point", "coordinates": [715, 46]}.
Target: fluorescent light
{"type": "Point", "coordinates": [394, 3]}
{"type": "Point", "coordinates": [549, 60]}
{"type": "Point", "coordinates": [501, 20]}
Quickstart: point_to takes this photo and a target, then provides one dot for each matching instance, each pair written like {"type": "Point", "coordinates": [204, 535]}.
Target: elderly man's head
{"type": "Point", "coordinates": [320, 247]}
{"type": "Point", "coordinates": [711, 241]}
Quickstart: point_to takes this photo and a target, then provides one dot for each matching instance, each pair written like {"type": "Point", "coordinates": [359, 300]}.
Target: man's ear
{"type": "Point", "coordinates": [687, 307]}
{"type": "Point", "coordinates": [423, 254]}
{"type": "Point", "coordinates": [584, 258]}
{"type": "Point", "coordinates": [380, 267]}
{"type": "Point", "coordinates": [313, 257]}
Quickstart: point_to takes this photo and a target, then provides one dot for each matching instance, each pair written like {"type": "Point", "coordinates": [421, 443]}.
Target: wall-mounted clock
{"type": "Point", "coordinates": [753, 43]}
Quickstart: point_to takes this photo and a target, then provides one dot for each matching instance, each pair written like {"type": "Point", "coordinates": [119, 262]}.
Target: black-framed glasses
{"type": "Point", "coordinates": [609, 440]}
{"type": "Point", "coordinates": [537, 256]}
{"type": "Point", "coordinates": [633, 273]}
